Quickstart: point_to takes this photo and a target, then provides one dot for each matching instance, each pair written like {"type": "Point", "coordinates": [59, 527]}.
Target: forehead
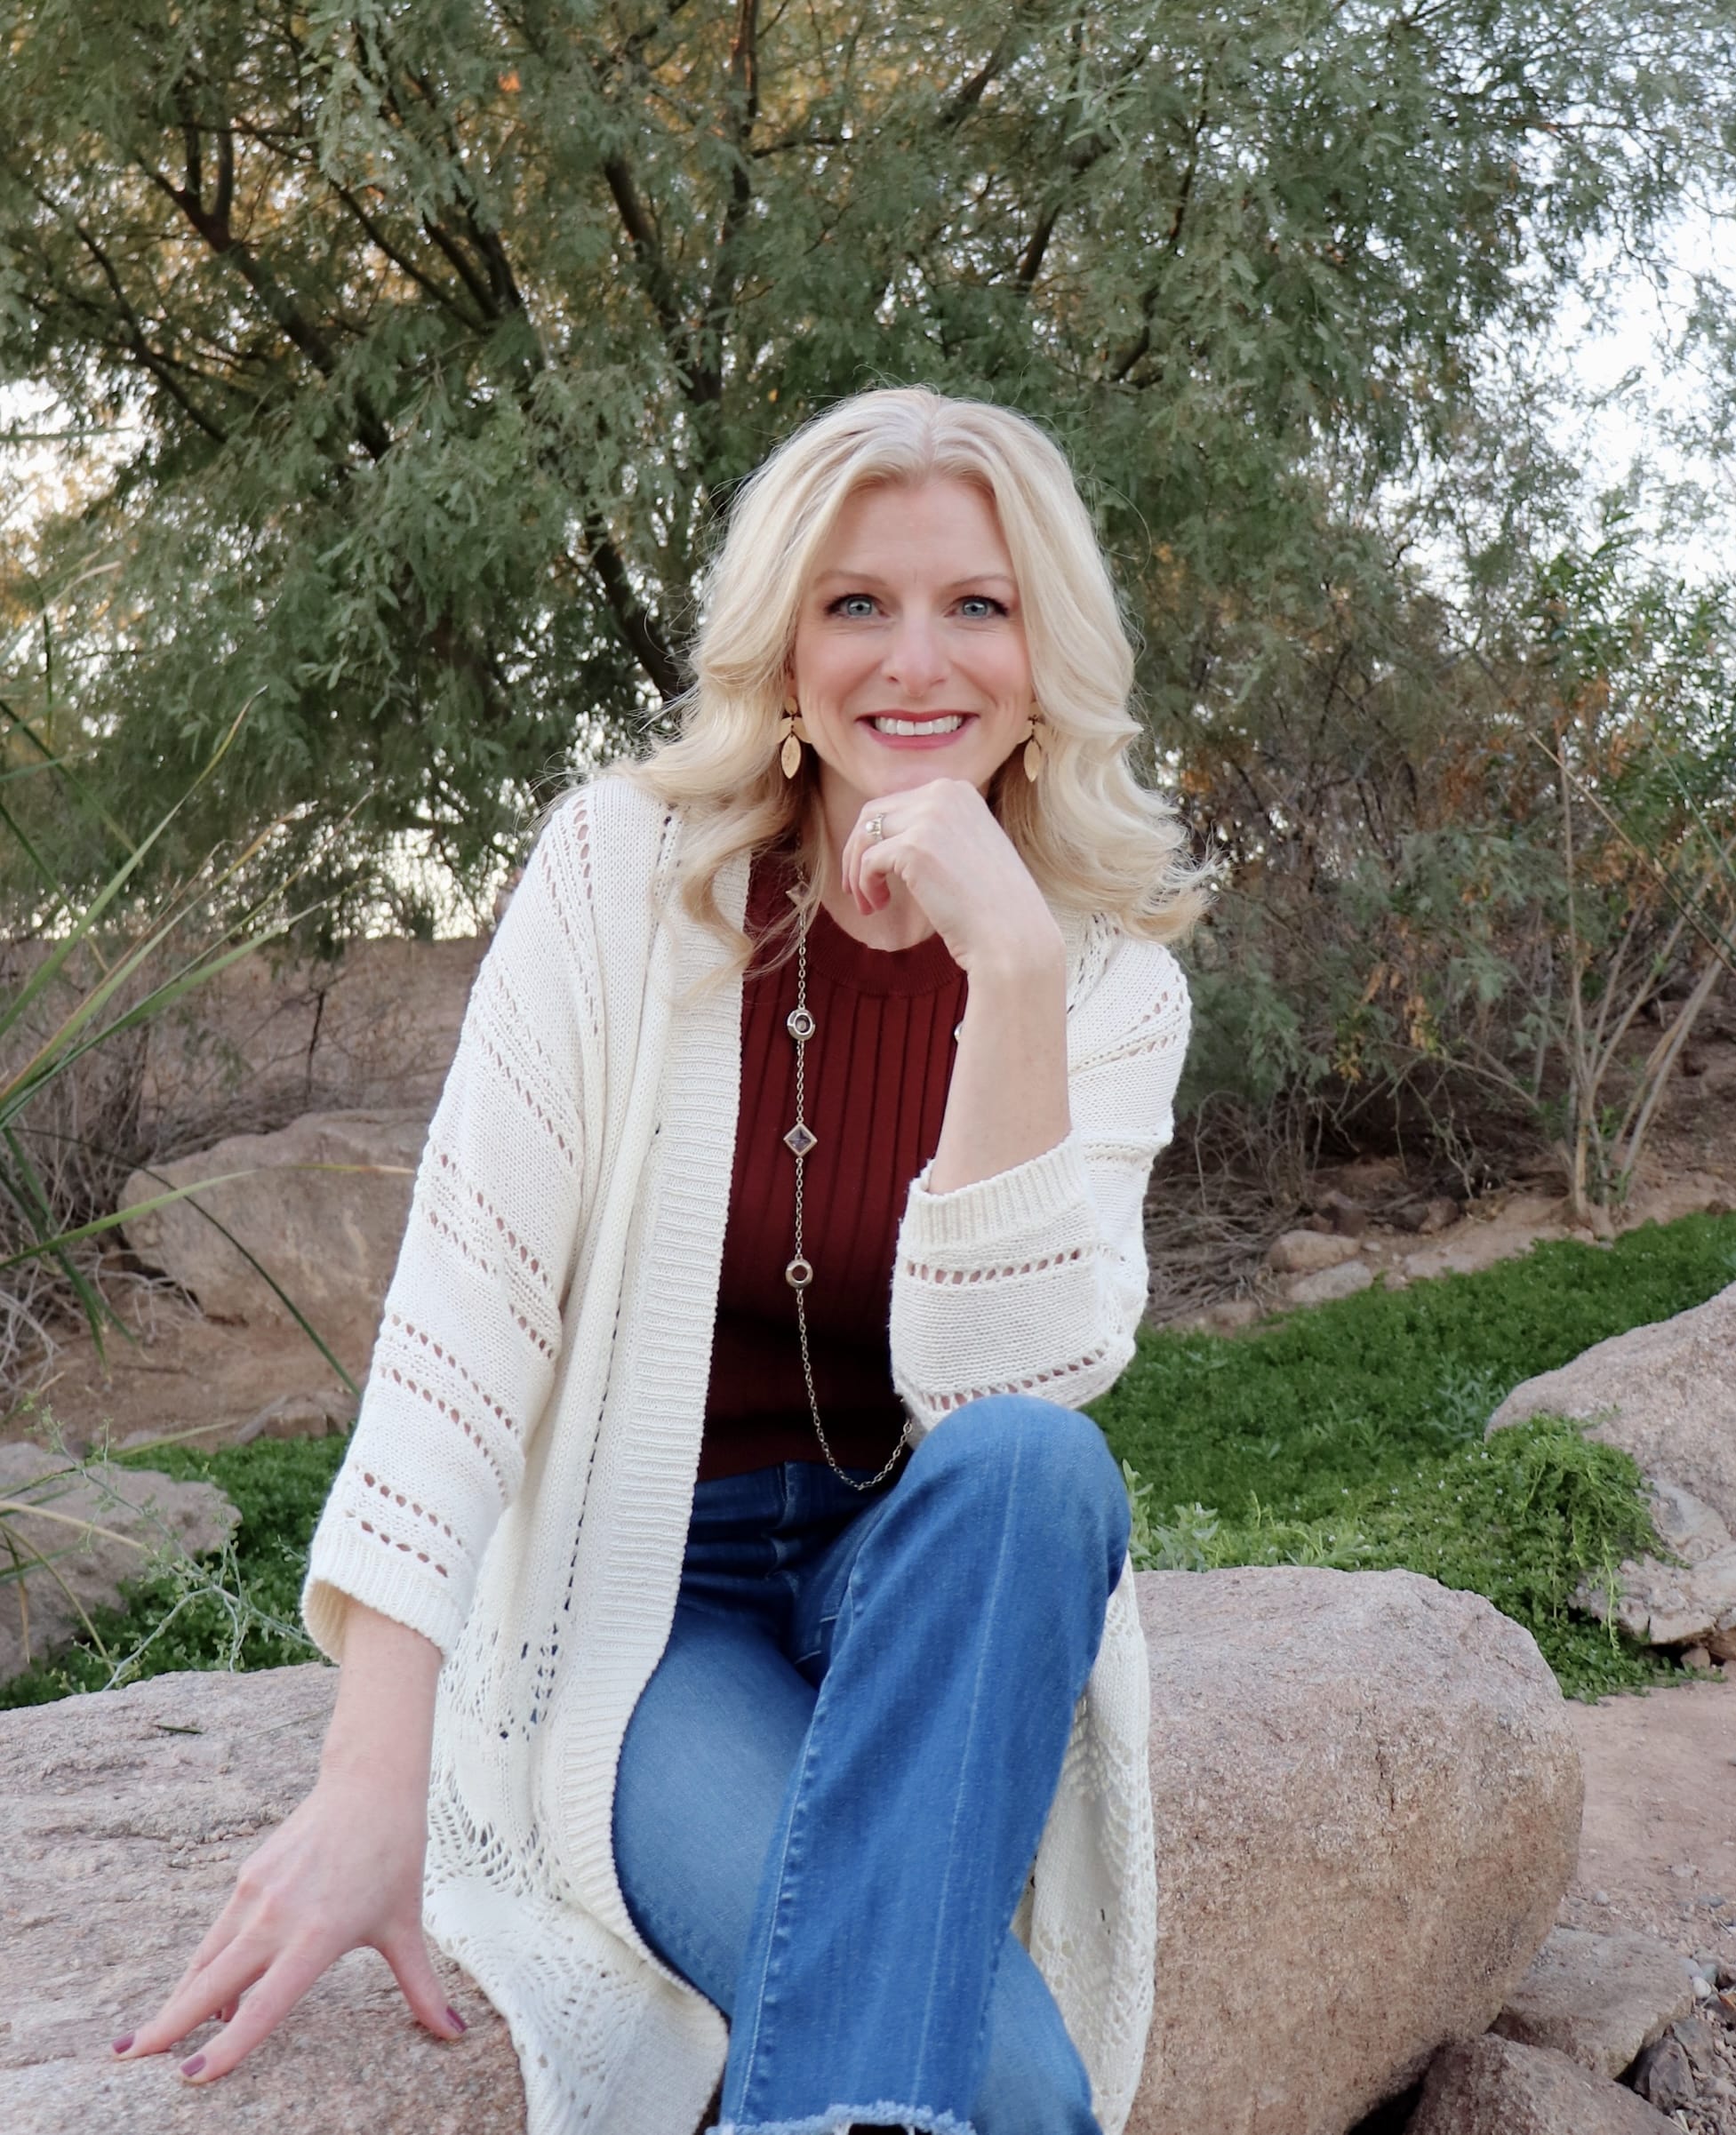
{"type": "Point", "coordinates": [908, 526]}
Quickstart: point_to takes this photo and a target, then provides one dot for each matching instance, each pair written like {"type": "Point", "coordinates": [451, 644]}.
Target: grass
{"type": "Point", "coordinates": [1349, 1435]}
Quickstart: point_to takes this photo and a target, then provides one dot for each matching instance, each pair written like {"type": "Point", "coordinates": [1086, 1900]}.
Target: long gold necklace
{"type": "Point", "coordinates": [801, 1141]}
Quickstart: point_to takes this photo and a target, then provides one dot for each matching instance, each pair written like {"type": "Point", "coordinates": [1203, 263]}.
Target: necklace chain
{"type": "Point", "coordinates": [800, 1141]}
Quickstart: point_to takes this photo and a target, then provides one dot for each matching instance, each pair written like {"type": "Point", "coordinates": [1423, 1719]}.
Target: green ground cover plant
{"type": "Point", "coordinates": [235, 1610]}
{"type": "Point", "coordinates": [1351, 1436]}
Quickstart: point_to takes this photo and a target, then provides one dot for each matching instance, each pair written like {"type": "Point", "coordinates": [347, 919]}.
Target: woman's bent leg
{"type": "Point", "coordinates": [954, 1626]}
{"type": "Point", "coordinates": [704, 1770]}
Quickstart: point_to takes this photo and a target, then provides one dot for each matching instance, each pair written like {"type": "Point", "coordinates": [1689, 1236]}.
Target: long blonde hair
{"type": "Point", "coordinates": [1093, 838]}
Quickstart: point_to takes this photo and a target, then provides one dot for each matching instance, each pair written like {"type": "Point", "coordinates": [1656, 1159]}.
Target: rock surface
{"type": "Point", "coordinates": [123, 1820]}
{"type": "Point", "coordinates": [323, 1211]}
{"type": "Point", "coordinates": [1365, 1797]}
{"type": "Point", "coordinates": [1666, 1393]}
{"type": "Point", "coordinates": [1367, 1800]}
{"type": "Point", "coordinates": [142, 1513]}
{"type": "Point", "coordinates": [1599, 1999]}
{"type": "Point", "coordinates": [1491, 2086]}
{"type": "Point", "coordinates": [1331, 1282]}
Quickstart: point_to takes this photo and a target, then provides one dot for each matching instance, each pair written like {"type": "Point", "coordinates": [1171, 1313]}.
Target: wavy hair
{"type": "Point", "coordinates": [1094, 839]}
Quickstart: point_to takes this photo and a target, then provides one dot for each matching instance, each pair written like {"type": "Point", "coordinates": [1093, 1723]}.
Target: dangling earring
{"type": "Point", "coordinates": [791, 734]}
{"type": "Point", "coordinates": [1034, 748]}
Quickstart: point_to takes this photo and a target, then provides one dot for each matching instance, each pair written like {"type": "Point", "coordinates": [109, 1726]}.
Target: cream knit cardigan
{"type": "Point", "coordinates": [519, 1482]}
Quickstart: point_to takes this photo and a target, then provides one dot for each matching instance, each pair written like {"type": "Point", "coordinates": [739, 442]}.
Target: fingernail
{"type": "Point", "coordinates": [195, 2066]}
{"type": "Point", "coordinates": [121, 2045]}
{"type": "Point", "coordinates": [456, 2021]}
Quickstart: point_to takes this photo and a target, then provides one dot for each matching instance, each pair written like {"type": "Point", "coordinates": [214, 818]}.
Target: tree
{"type": "Point", "coordinates": [422, 343]}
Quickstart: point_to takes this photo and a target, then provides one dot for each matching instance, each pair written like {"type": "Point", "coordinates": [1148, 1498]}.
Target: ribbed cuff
{"type": "Point", "coordinates": [346, 1569]}
{"type": "Point", "coordinates": [1029, 1198]}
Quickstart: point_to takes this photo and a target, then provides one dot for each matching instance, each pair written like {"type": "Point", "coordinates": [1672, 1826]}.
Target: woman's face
{"type": "Point", "coordinates": [909, 661]}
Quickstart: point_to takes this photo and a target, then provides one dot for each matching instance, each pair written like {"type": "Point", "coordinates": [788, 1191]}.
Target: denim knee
{"type": "Point", "coordinates": [1069, 1482]}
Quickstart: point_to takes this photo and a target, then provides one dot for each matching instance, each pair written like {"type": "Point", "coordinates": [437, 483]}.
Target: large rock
{"type": "Point", "coordinates": [1599, 1999]}
{"type": "Point", "coordinates": [123, 1820]}
{"type": "Point", "coordinates": [1665, 1394]}
{"type": "Point", "coordinates": [96, 1525]}
{"type": "Point", "coordinates": [1367, 1800]}
{"type": "Point", "coordinates": [1493, 2087]}
{"type": "Point", "coordinates": [322, 1209]}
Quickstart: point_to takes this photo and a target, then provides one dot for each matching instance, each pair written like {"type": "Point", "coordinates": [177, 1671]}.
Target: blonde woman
{"type": "Point", "coordinates": [741, 1675]}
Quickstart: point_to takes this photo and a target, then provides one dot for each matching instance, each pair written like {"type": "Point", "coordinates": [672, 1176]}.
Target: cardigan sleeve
{"type": "Point", "coordinates": [471, 1335]}
{"type": "Point", "coordinates": [1034, 1280]}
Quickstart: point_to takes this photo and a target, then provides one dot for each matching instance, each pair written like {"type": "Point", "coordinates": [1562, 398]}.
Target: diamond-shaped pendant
{"type": "Point", "coordinates": [800, 1138]}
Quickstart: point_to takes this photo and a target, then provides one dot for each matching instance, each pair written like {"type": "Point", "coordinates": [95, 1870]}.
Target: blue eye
{"type": "Point", "coordinates": [857, 606]}
{"type": "Point", "coordinates": [979, 606]}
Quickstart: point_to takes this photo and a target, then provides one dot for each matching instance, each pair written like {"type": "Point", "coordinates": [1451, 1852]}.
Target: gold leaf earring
{"type": "Point", "coordinates": [1034, 748]}
{"type": "Point", "coordinates": [791, 735]}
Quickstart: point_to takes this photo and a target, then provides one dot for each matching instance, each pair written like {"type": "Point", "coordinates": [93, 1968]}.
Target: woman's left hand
{"type": "Point", "coordinates": [941, 845]}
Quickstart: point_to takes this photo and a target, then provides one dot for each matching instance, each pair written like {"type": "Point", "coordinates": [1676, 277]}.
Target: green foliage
{"type": "Point", "coordinates": [239, 1611]}
{"type": "Point", "coordinates": [412, 351]}
{"type": "Point", "coordinates": [1351, 1436]}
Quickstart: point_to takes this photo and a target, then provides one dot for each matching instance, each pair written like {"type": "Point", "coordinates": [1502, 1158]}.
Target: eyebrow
{"type": "Point", "coordinates": [873, 577]}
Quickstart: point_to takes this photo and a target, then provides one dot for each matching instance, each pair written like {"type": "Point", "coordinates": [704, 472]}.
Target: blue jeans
{"type": "Point", "coordinates": [831, 1791]}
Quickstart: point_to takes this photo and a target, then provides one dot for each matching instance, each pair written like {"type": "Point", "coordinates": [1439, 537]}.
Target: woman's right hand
{"type": "Point", "coordinates": [343, 1873]}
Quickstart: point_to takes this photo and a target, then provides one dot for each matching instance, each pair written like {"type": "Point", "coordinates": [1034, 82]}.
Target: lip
{"type": "Point", "coordinates": [917, 741]}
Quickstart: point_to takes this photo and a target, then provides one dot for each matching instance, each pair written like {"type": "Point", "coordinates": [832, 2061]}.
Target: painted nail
{"type": "Point", "coordinates": [456, 2021]}
{"type": "Point", "coordinates": [121, 2045]}
{"type": "Point", "coordinates": [195, 2066]}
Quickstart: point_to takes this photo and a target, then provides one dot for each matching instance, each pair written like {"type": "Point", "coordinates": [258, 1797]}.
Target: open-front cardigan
{"type": "Point", "coordinates": [521, 1476]}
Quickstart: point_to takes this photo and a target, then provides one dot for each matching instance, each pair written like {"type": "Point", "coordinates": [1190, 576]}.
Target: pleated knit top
{"type": "Point", "coordinates": [877, 1071]}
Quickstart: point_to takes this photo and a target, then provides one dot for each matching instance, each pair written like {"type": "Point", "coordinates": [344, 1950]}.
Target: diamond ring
{"type": "Point", "coordinates": [877, 829]}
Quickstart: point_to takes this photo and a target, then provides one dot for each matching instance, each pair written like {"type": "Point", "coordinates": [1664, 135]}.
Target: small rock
{"type": "Point", "coordinates": [1229, 1313]}
{"type": "Point", "coordinates": [1702, 1989]}
{"type": "Point", "coordinates": [1492, 2086]}
{"type": "Point", "coordinates": [1600, 1898]}
{"type": "Point", "coordinates": [1696, 1658]}
{"type": "Point", "coordinates": [1331, 1283]}
{"type": "Point", "coordinates": [1698, 2038]}
{"type": "Point", "coordinates": [1599, 1999]}
{"type": "Point", "coordinates": [1349, 1219]}
{"type": "Point", "coordinates": [1299, 1252]}
{"type": "Point", "coordinates": [1664, 2075]}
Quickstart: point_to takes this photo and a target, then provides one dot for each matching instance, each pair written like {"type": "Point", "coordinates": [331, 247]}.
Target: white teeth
{"type": "Point", "coordinates": [950, 724]}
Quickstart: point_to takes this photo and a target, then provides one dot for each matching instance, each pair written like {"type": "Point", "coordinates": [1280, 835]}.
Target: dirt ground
{"type": "Point", "coordinates": [1657, 1845]}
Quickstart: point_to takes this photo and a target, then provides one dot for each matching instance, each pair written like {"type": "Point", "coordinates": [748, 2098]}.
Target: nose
{"type": "Point", "coordinates": [915, 660]}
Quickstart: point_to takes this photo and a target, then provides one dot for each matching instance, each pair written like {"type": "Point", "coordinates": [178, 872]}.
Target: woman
{"type": "Point", "coordinates": [791, 1674]}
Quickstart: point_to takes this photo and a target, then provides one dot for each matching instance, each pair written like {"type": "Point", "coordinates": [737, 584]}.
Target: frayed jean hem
{"type": "Point", "coordinates": [838, 2120]}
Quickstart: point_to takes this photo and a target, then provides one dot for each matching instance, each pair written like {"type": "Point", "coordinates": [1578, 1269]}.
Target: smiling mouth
{"type": "Point", "coordinates": [944, 722]}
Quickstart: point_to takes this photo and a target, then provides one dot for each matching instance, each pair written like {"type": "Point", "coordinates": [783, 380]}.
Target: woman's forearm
{"type": "Point", "coordinates": [1007, 1101]}
{"type": "Point", "coordinates": [382, 1724]}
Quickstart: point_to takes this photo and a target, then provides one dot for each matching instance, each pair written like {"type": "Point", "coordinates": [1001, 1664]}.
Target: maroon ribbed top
{"type": "Point", "coordinates": [877, 1070]}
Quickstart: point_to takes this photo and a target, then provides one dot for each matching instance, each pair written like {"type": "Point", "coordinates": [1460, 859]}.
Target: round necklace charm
{"type": "Point", "coordinates": [798, 1274]}
{"type": "Point", "coordinates": [800, 1025]}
